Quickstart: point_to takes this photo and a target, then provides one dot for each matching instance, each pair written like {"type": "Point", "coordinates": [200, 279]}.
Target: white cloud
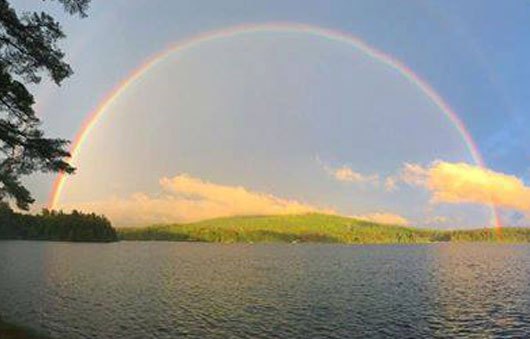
{"type": "Point", "coordinates": [456, 183]}
{"type": "Point", "coordinates": [438, 220]}
{"type": "Point", "coordinates": [346, 174]}
{"type": "Point", "coordinates": [383, 218]}
{"type": "Point", "coordinates": [391, 184]}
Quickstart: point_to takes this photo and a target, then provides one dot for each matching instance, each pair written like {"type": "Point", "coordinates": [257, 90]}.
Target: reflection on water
{"type": "Point", "coordinates": [483, 290]}
{"type": "Point", "coordinates": [162, 290]}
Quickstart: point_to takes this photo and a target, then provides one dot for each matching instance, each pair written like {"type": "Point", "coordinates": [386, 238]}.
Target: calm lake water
{"type": "Point", "coordinates": [167, 290]}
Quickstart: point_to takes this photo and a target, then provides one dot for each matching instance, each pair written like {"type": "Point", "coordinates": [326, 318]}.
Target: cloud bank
{"type": "Point", "coordinates": [187, 199]}
{"type": "Point", "coordinates": [184, 198]}
{"type": "Point", "coordinates": [456, 183]}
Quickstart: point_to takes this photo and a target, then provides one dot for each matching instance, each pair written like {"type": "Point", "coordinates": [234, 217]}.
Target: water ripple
{"type": "Point", "coordinates": [167, 290]}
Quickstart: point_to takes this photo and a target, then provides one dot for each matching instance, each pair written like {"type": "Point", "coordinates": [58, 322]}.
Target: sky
{"type": "Point", "coordinates": [276, 122]}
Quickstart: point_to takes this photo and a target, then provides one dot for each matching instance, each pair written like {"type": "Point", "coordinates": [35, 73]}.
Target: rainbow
{"type": "Point", "coordinates": [328, 34]}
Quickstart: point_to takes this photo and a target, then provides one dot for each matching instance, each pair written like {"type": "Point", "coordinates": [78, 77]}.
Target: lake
{"type": "Point", "coordinates": [170, 289]}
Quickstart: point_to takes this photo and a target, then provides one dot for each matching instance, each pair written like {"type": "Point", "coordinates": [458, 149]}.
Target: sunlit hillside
{"type": "Point", "coordinates": [312, 227]}
{"type": "Point", "coordinates": [292, 228]}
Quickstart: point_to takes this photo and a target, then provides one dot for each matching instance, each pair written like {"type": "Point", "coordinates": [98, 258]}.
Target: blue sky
{"type": "Point", "coordinates": [474, 54]}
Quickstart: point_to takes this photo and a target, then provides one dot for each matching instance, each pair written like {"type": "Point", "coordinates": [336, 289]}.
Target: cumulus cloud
{"type": "Point", "coordinates": [347, 174]}
{"type": "Point", "coordinates": [187, 199]}
{"type": "Point", "coordinates": [413, 174]}
{"type": "Point", "coordinates": [383, 218]}
{"type": "Point", "coordinates": [391, 183]}
{"type": "Point", "coordinates": [456, 183]}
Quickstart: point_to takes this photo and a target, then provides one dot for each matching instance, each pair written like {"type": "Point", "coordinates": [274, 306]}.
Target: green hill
{"type": "Point", "coordinates": [311, 228]}
{"type": "Point", "coordinates": [286, 228]}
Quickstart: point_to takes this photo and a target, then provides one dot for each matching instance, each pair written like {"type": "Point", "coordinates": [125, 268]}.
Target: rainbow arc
{"type": "Point", "coordinates": [280, 28]}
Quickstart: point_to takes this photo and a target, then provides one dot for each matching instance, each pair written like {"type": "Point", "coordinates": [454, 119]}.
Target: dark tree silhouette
{"type": "Point", "coordinates": [57, 226]}
{"type": "Point", "coordinates": [28, 50]}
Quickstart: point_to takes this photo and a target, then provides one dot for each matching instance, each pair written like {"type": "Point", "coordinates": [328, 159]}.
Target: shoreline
{"type": "Point", "coordinates": [500, 242]}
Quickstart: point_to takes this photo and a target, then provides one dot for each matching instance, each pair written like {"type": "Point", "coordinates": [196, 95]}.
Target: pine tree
{"type": "Point", "coordinates": [29, 51]}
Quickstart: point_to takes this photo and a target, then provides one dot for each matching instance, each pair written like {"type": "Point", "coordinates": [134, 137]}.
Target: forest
{"type": "Point", "coordinates": [314, 227]}
{"type": "Point", "coordinates": [55, 225]}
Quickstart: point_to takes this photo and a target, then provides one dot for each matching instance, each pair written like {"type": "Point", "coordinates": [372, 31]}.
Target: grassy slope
{"type": "Point", "coordinates": [311, 228]}
{"type": "Point", "coordinates": [289, 228]}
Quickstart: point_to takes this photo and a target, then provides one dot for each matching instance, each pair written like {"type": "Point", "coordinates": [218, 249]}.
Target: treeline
{"type": "Point", "coordinates": [505, 234]}
{"type": "Point", "coordinates": [314, 228]}
{"type": "Point", "coordinates": [53, 225]}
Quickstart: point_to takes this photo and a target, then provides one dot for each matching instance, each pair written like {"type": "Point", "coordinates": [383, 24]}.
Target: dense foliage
{"type": "Point", "coordinates": [287, 228]}
{"type": "Point", "coordinates": [56, 226]}
{"type": "Point", "coordinates": [29, 50]}
{"type": "Point", "coordinates": [312, 228]}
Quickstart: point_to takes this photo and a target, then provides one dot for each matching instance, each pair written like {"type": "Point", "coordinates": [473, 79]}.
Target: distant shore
{"type": "Point", "coordinates": [320, 228]}
{"type": "Point", "coordinates": [302, 228]}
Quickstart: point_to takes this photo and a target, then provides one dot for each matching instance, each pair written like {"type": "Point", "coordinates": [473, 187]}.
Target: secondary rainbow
{"type": "Point", "coordinates": [323, 33]}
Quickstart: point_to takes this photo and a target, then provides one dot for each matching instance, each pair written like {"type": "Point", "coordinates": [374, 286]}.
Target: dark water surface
{"type": "Point", "coordinates": [167, 290]}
